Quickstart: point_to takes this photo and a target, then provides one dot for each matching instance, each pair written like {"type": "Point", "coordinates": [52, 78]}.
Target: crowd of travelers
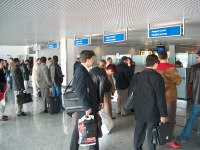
{"type": "Point", "coordinates": [155, 98]}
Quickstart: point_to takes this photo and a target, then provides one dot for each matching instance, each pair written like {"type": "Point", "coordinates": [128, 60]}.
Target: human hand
{"type": "Point", "coordinates": [163, 119]}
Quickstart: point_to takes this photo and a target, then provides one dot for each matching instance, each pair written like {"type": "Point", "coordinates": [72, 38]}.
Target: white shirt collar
{"type": "Point", "coordinates": [88, 69]}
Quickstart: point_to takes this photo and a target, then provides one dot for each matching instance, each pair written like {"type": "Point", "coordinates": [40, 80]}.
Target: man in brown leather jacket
{"type": "Point", "coordinates": [171, 79]}
{"type": "Point", "coordinates": [194, 82]}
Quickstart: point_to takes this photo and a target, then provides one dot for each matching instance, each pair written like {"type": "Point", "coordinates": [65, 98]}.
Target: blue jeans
{"type": "Point", "coordinates": [194, 114]}
{"type": "Point", "coordinates": [56, 90]}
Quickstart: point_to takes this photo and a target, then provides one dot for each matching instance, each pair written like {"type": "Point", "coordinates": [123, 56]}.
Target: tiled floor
{"type": "Point", "coordinates": [53, 132]}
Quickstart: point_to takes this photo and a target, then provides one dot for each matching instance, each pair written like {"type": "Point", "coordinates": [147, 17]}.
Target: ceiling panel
{"type": "Point", "coordinates": [33, 21]}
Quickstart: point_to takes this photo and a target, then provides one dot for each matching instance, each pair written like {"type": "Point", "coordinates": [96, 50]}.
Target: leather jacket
{"type": "Point", "coordinates": [101, 82]}
{"type": "Point", "coordinates": [195, 83]}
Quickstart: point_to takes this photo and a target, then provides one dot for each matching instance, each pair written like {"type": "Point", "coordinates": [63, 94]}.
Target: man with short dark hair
{"type": "Point", "coordinates": [77, 64]}
{"type": "Point", "coordinates": [49, 62]}
{"type": "Point", "coordinates": [149, 103]}
{"type": "Point", "coordinates": [25, 73]}
{"type": "Point", "coordinates": [87, 94]}
{"type": "Point", "coordinates": [109, 61]}
{"type": "Point", "coordinates": [194, 83]}
{"type": "Point", "coordinates": [44, 81]}
{"type": "Point", "coordinates": [56, 79]}
{"type": "Point", "coordinates": [171, 79]}
{"type": "Point", "coordinates": [18, 85]}
{"type": "Point", "coordinates": [122, 77]}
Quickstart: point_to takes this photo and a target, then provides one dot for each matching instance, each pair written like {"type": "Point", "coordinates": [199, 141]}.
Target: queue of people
{"type": "Point", "coordinates": [155, 98]}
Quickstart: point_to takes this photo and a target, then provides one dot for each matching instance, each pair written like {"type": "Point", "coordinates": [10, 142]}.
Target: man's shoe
{"type": "Point", "coordinates": [4, 116]}
{"type": "Point", "coordinates": [4, 119]}
{"type": "Point", "coordinates": [23, 114]}
{"type": "Point", "coordinates": [45, 111]}
{"type": "Point", "coordinates": [173, 145]}
{"type": "Point", "coordinates": [113, 117]}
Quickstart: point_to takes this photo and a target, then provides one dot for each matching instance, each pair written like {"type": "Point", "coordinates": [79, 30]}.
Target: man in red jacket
{"type": "Point", "coordinates": [171, 79]}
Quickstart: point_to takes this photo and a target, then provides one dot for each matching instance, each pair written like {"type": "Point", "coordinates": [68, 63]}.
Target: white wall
{"type": "Point", "coordinates": [49, 52]}
{"type": "Point", "coordinates": [108, 50]}
{"type": "Point", "coordinates": [12, 51]}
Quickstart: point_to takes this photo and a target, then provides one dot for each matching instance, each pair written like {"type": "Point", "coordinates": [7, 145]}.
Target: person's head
{"type": "Point", "coordinates": [78, 59]}
{"type": "Point", "coordinates": [38, 61]}
{"type": "Point", "coordinates": [198, 56]}
{"type": "Point", "coordinates": [102, 63]}
{"type": "Point", "coordinates": [26, 62]}
{"type": "Point", "coordinates": [49, 59]}
{"type": "Point", "coordinates": [11, 59]}
{"type": "Point", "coordinates": [16, 61]}
{"type": "Point", "coordinates": [178, 64]}
{"type": "Point", "coordinates": [43, 60]}
{"type": "Point", "coordinates": [152, 61]}
{"type": "Point", "coordinates": [162, 55]}
{"type": "Point", "coordinates": [1, 63]}
{"type": "Point", "coordinates": [129, 61]}
{"type": "Point", "coordinates": [124, 59]}
{"type": "Point", "coordinates": [109, 59]}
{"type": "Point", "coordinates": [5, 61]}
{"type": "Point", "coordinates": [87, 57]}
{"type": "Point", "coordinates": [111, 69]}
{"type": "Point", "coordinates": [55, 59]}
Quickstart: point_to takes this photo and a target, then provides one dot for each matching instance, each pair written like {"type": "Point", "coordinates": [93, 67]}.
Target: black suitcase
{"type": "Point", "coordinates": [53, 104]}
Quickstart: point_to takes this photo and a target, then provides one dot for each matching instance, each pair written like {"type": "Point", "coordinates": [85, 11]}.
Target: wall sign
{"type": "Point", "coordinates": [53, 45]}
{"type": "Point", "coordinates": [167, 31]}
{"type": "Point", "coordinates": [81, 42]}
{"type": "Point", "coordinates": [111, 38]}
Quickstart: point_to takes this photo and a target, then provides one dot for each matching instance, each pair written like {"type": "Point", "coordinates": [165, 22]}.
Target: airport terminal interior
{"type": "Point", "coordinates": [111, 28]}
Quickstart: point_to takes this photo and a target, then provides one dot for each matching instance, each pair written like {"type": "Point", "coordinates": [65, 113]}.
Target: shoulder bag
{"type": "Point", "coordinates": [70, 100]}
{"type": "Point", "coordinates": [129, 104]}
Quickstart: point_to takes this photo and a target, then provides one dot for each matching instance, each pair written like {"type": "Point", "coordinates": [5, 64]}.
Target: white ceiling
{"type": "Point", "coordinates": [25, 22]}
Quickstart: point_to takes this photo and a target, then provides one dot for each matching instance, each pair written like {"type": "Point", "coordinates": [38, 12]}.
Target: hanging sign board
{"type": "Point", "coordinates": [53, 45]}
{"type": "Point", "coordinates": [167, 31]}
{"type": "Point", "coordinates": [111, 38]}
{"type": "Point", "coordinates": [81, 42]}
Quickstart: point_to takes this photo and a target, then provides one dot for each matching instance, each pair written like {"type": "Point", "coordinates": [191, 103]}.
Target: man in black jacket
{"type": "Point", "coordinates": [56, 79]}
{"type": "Point", "coordinates": [149, 103]}
{"type": "Point", "coordinates": [87, 94]}
{"type": "Point", "coordinates": [18, 85]}
{"type": "Point", "coordinates": [122, 77]}
{"type": "Point", "coordinates": [25, 73]}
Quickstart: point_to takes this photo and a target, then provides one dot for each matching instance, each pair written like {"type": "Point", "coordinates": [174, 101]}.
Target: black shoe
{"type": "Point", "coordinates": [45, 111]}
{"type": "Point", "coordinates": [113, 117]}
{"type": "Point", "coordinates": [21, 114]}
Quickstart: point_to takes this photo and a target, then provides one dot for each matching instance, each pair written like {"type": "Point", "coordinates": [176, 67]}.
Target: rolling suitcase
{"type": "Point", "coordinates": [53, 104]}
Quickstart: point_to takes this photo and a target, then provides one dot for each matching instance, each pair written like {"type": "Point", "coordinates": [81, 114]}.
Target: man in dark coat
{"type": "Point", "coordinates": [18, 85]}
{"type": "Point", "coordinates": [87, 94]}
{"type": "Point", "coordinates": [25, 73]}
{"type": "Point", "coordinates": [122, 77]}
{"type": "Point", "coordinates": [77, 64]}
{"type": "Point", "coordinates": [56, 79]}
{"type": "Point", "coordinates": [149, 103]}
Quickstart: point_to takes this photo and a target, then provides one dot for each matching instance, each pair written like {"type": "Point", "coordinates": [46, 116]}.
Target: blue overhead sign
{"type": "Point", "coordinates": [167, 31]}
{"type": "Point", "coordinates": [53, 45]}
{"type": "Point", "coordinates": [110, 38]}
{"type": "Point", "coordinates": [81, 42]}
